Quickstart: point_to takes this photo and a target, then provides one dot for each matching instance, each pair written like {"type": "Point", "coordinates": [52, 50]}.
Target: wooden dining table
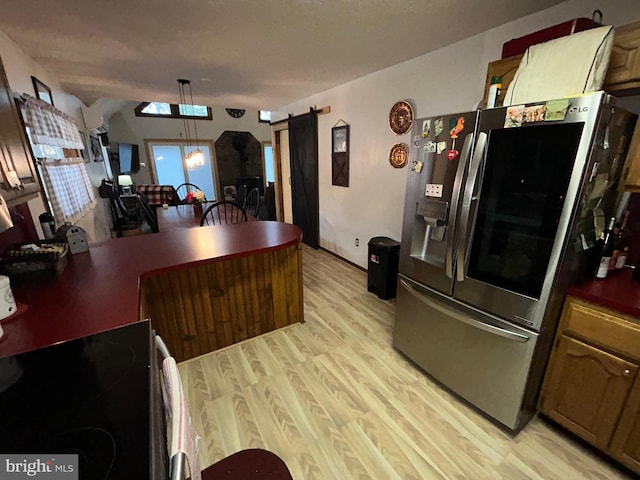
{"type": "Point", "coordinates": [181, 216]}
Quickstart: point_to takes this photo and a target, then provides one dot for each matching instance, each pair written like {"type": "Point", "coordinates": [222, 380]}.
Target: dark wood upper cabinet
{"type": "Point", "coordinates": [15, 152]}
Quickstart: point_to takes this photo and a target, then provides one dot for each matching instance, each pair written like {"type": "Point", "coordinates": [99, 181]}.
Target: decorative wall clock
{"type": "Point", "coordinates": [399, 155]}
{"type": "Point", "coordinates": [235, 112]}
{"type": "Point", "coordinates": [401, 117]}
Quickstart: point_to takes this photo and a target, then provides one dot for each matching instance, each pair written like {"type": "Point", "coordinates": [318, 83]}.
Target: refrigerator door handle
{"type": "Point", "coordinates": [502, 332]}
{"type": "Point", "coordinates": [453, 211]}
{"type": "Point", "coordinates": [467, 199]}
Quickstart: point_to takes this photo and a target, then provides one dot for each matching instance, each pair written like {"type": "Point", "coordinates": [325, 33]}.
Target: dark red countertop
{"type": "Point", "coordinates": [618, 292]}
{"type": "Point", "coordinates": [98, 290]}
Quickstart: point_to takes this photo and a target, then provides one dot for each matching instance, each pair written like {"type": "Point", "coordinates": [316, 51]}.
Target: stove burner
{"type": "Point", "coordinates": [69, 382]}
{"type": "Point", "coordinates": [95, 447]}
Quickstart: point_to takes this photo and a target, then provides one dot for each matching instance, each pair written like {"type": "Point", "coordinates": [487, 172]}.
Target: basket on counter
{"type": "Point", "coordinates": [24, 265]}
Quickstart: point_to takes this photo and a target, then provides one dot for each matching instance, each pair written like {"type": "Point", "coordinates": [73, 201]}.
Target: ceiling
{"type": "Point", "coordinates": [261, 54]}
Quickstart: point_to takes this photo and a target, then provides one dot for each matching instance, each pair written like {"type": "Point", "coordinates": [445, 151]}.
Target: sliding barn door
{"type": "Point", "coordinates": [303, 155]}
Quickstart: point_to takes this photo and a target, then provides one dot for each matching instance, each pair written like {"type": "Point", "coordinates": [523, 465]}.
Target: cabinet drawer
{"type": "Point", "coordinates": [600, 328]}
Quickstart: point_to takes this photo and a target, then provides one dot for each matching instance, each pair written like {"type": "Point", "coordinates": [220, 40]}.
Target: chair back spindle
{"type": "Point", "coordinates": [223, 212]}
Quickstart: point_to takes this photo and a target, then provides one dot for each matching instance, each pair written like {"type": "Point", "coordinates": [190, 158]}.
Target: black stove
{"type": "Point", "coordinates": [90, 397]}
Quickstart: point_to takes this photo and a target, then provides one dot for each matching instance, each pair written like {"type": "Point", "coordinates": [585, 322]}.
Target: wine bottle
{"type": "Point", "coordinates": [623, 242]}
{"type": "Point", "coordinates": [617, 246]}
{"type": "Point", "coordinates": [607, 251]}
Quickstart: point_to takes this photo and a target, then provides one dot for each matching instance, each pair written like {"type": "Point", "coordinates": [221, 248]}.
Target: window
{"type": "Point", "coordinates": [167, 157]}
{"type": "Point", "coordinates": [156, 108]}
{"type": "Point", "coordinates": [267, 154]}
{"type": "Point", "coordinates": [264, 116]}
{"type": "Point", "coordinates": [173, 110]}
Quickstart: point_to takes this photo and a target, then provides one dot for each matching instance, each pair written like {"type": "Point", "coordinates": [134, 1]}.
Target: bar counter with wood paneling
{"type": "Point", "coordinates": [204, 288]}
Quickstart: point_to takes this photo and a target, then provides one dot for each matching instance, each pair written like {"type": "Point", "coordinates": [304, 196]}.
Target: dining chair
{"type": "Point", "coordinates": [252, 203]}
{"type": "Point", "coordinates": [182, 191]}
{"type": "Point", "coordinates": [241, 195]}
{"type": "Point", "coordinates": [148, 213]}
{"type": "Point", "coordinates": [224, 211]}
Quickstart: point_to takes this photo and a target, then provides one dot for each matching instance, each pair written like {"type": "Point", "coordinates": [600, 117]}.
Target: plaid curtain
{"type": "Point", "coordinates": [69, 188]}
{"type": "Point", "coordinates": [66, 181]}
{"type": "Point", "coordinates": [50, 126]}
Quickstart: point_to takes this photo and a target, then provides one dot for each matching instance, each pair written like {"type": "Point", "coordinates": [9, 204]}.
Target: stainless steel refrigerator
{"type": "Point", "coordinates": [503, 210]}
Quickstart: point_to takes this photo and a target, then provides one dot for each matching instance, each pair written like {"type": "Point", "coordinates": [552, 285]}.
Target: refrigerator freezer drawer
{"type": "Point", "coordinates": [483, 359]}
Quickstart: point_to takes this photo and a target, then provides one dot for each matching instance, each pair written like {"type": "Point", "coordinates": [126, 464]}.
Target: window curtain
{"type": "Point", "coordinates": [50, 126]}
{"type": "Point", "coordinates": [69, 188]}
{"type": "Point", "coordinates": [66, 181]}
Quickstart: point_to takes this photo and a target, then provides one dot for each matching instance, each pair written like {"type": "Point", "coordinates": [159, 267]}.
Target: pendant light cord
{"type": "Point", "coordinates": [193, 114]}
{"type": "Point", "coordinates": [183, 101]}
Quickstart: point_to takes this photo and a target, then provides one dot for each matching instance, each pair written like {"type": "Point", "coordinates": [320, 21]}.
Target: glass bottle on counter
{"type": "Point", "coordinates": [622, 241]}
{"type": "Point", "coordinates": [607, 251]}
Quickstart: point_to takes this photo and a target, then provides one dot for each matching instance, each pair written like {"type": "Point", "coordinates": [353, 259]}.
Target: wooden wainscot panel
{"type": "Point", "coordinates": [200, 309]}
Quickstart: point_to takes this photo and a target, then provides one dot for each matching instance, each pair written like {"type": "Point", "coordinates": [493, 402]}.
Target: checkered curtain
{"type": "Point", "coordinates": [69, 189]}
{"type": "Point", "coordinates": [66, 181]}
{"type": "Point", "coordinates": [50, 126]}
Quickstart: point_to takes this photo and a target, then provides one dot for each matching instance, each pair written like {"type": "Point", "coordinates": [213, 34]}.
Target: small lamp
{"type": "Point", "coordinates": [125, 181]}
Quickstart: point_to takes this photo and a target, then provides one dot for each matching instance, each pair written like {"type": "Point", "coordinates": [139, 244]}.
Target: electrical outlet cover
{"type": "Point", "coordinates": [433, 190]}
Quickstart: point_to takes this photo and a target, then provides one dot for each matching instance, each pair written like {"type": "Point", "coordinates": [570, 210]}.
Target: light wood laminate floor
{"type": "Point", "coordinates": [334, 400]}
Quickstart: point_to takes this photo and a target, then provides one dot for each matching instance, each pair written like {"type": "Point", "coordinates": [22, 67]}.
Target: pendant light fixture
{"type": "Point", "coordinates": [195, 157]}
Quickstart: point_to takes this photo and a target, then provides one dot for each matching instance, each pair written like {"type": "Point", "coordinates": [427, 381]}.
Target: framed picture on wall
{"type": "Point", "coordinates": [340, 156]}
{"type": "Point", "coordinates": [42, 91]}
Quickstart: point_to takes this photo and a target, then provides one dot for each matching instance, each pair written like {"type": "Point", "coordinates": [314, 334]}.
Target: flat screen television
{"type": "Point", "coordinates": [124, 158]}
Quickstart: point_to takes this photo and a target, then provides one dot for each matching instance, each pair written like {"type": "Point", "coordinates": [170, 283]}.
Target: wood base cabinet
{"type": "Point", "coordinates": [625, 445]}
{"type": "Point", "coordinates": [592, 385]}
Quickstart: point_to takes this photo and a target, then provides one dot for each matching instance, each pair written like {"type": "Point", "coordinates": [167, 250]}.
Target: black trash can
{"type": "Point", "coordinates": [383, 266]}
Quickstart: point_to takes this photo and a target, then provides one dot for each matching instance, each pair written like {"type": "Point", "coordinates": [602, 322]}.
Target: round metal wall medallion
{"type": "Point", "coordinates": [399, 155]}
{"type": "Point", "coordinates": [401, 117]}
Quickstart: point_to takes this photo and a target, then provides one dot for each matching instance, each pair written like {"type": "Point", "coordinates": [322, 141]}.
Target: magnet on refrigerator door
{"type": "Point", "coordinates": [426, 125]}
{"type": "Point", "coordinates": [430, 147]}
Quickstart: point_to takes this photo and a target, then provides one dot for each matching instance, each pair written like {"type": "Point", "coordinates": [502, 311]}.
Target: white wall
{"type": "Point", "coordinates": [19, 68]}
{"type": "Point", "coordinates": [448, 80]}
{"type": "Point", "coordinates": [125, 127]}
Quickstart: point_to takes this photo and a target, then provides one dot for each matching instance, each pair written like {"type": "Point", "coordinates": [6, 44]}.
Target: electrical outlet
{"type": "Point", "coordinates": [433, 190]}
{"type": "Point", "coordinates": [357, 242]}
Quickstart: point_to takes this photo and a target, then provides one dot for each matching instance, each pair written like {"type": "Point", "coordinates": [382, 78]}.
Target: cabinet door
{"type": "Point", "coordinates": [625, 445]}
{"type": "Point", "coordinates": [586, 390]}
{"type": "Point", "coordinates": [623, 74]}
{"type": "Point", "coordinates": [15, 154]}
{"type": "Point", "coordinates": [505, 68]}
{"type": "Point", "coordinates": [631, 171]}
